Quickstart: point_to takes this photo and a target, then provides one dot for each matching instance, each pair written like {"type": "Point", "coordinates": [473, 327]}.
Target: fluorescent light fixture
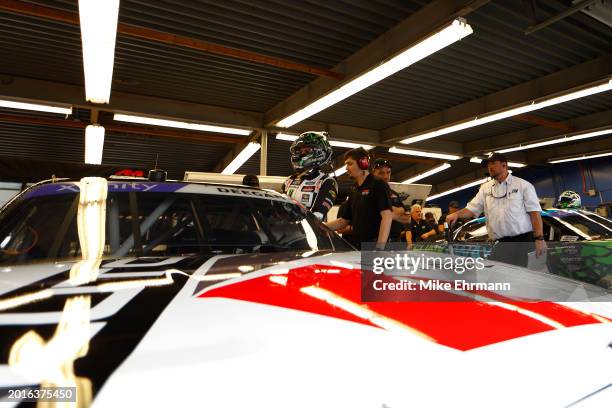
{"type": "Point", "coordinates": [287, 137]}
{"type": "Point", "coordinates": [583, 157]}
{"type": "Point", "coordinates": [453, 190]}
{"type": "Point", "coordinates": [35, 107]}
{"type": "Point", "coordinates": [564, 139]}
{"type": "Point", "coordinates": [510, 164]}
{"type": "Point", "coordinates": [94, 144]}
{"type": "Point", "coordinates": [350, 145]}
{"type": "Point", "coordinates": [527, 107]}
{"type": "Point", "coordinates": [448, 35]}
{"type": "Point", "coordinates": [420, 153]}
{"type": "Point", "coordinates": [336, 143]}
{"type": "Point", "coordinates": [242, 157]}
{"type": "Point", "coordinates": [180, 125]}
{"type": "Point", "coordinates": [427, 173]}
{"type": "Point", "coordinates": [340, 171]}
{"type": "Point", "coordinates": [98, 34]}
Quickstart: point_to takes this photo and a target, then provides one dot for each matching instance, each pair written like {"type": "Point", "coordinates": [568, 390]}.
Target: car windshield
{"type": "Point", "coordinates": [584, 223]}
{"type": "Point", "coordinates": [44, 227]}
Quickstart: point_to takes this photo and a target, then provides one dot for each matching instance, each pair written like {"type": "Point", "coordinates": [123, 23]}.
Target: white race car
{"type": "Point", "coordinates": [139, 293]}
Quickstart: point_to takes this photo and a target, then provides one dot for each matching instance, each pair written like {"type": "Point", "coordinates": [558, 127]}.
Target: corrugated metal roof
{"type": "Point", "coordinates": [316, 34]}
{"type": "Point", "coordinates": [175, 158]}
{"type": "Point", "coordinates": [496, 56]}
{"type": "Point", "coordinates": [320, 33]}
{"type": "Point", "coordinates": [26, 141]}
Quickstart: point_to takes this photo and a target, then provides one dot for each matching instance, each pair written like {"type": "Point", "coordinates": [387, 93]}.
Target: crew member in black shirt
{"type": "Point", "coordinates": [453, 207]}
{"type": "Point", "coordinates": [381, 168]}
{"type": "Point", "coordinates": [418, 229]}
{"type": "Point", "coordinates": [369, 205]}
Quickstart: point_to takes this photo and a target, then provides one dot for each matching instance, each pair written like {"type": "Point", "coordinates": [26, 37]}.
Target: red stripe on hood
{"type": "Point", "coordinates": [463, 325]}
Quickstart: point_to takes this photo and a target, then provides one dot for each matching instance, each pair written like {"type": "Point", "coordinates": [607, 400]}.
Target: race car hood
{"type": "Point", "coordinates": [290, 330]}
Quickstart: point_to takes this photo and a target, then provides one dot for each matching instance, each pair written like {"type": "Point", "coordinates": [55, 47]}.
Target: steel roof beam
{"type": "Point", "coordinates": [581, 75]}
{"type": "Point", "coordinates": [539, 133]}
{"type": "Point", "coordinates": [54, 92]}
{"type": "Point", "coordinates": [409, 31]}
{"type": "Point", "coordinates": [114, 127]}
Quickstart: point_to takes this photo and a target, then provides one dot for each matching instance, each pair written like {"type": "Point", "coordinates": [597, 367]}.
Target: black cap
{"type": "Point", "coordinates": [454, 204]}
{"type": "Point", "coordinates": [250, 180]}
{"type": "Point", "coordinates": [493, 158]}
{"type": "Point", "coordinates": [381, 163]}
{"type": "Point", "coordinates": [157, 175]}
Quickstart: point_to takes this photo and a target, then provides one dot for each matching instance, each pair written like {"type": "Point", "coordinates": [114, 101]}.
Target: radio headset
{"type": "Point", "coordinates": [364, 161]}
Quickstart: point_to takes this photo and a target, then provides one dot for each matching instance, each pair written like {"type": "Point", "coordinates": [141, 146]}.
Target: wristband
{"type": "Point", "coordinates": [539, 238]}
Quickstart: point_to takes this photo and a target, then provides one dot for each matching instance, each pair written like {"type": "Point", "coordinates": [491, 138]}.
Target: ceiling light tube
{"type": "Point", "coordinates": [287, 137]}
{"type": "Point", "coordinates": [428, 173]}
{"type": "Point", "coordinates": [340, 171]}
{"type": "Point", "coordinates": [420, 153]}
{"type": "Point", "coordinates": [337, 143]}
{"type": "Point", "coordinates": [98, 34]}
{"type": "Point", "coordinates": [94, 144]}
{"type": "Point", "coordinates": [350, 145]}
{"type": "Point", "coordinates": [524, 108]}
{"type": "Point", "coordinates": [242, 157]}
{"type": "Point", "coordinates": [564, 139]}
{"type": "Point", "coordinates": [144, 120]}
{"type": "Point", "coordinates": [453, 190]}
{"type": "Point", "coordinates": [36, 107]}
{"type": "Point", "coordinates": [510, 164]}
{"type": "Point", "coordinates": [583, 157]}
{"type": "Point", "coordinates": [448, 35]}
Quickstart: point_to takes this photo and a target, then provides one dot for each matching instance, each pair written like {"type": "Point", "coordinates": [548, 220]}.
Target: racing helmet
{"type": "Point", "coordinates": [310, 150]}
{"type": "Point", "coordinates": [569, 199]}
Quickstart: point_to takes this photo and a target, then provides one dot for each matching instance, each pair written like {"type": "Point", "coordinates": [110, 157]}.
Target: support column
{"type": "Point", "coordinates": [263, 162]}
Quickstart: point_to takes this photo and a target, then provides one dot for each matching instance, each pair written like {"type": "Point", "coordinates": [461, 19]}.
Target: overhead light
{"type": "Point", "coordinates": [583, 157]}
{"type": "Point", "coordinates": [98, 33]}
{"type": "Point", "coordinates": [35, 107]}
{"type": "Point", "coordinates": [350, 145]}
{"type": "Point", "coordinates": [528, 107]}
{"type": "Point", "coordinates": [94, 144]}
{"type": "Point", "coordinates": [420, 153]}
{"type": "Point", "coordinates": [242, 157]}
{"type": "Point", "coordinates": [510, 164]}
{"type": "Point", "coordinates": [180, 125]}
{"type": "Point", "coordinates": [453, 190]}
{"type": "Point", "coordinates": [337, 143]}
{"type": "Point", "coordinates": [287, 137]}
{"type": "Point", "coordinates": [427, 173]}
{"type": "Point", "coordinates": [448, 35]}
{"type": "Point", "coordinates": [340, 171]}
{"type": "Point", "coordinates": [564, 139]}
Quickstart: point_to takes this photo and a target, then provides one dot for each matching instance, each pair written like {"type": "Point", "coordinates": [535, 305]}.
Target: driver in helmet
{"type": "Point", "coordinates": [569, 199]}
{"type": "Point", "coordinates": [311, 185]}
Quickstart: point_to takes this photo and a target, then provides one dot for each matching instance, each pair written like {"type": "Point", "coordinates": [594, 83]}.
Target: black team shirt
{"type": "Point", "coordinates": [363, 209]}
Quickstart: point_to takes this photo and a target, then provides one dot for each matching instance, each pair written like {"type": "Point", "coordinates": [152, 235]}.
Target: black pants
{"type": "Point", "coordinates": [513, 250]}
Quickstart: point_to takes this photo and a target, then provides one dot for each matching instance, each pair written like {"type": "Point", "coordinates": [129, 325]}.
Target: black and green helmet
{"type": "Point", "coordinates": [319, 154]}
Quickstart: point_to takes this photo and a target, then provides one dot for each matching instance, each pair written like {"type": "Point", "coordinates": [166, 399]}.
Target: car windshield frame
{"type": "Point", "coordinates": [276, 225]}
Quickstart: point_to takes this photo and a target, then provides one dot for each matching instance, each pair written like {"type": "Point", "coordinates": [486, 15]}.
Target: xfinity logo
{"type": "Point", "coordinates": [112, 187]}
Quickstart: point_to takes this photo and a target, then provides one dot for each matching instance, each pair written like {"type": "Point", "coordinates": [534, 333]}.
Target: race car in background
{"type": "Point", "coordinates": [580, 244]}
{"type": "Point", "coordinates": [140, 293]}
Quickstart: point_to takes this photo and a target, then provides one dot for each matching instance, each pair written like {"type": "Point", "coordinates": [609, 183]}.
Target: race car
{"type": "Point", "coordinates": [170, 293]}
{"type": "Point", "coordinates": [579, 242]}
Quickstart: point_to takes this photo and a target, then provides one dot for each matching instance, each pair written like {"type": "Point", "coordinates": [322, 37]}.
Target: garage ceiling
{"type": "Point", "coordinates": [40, 59]}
